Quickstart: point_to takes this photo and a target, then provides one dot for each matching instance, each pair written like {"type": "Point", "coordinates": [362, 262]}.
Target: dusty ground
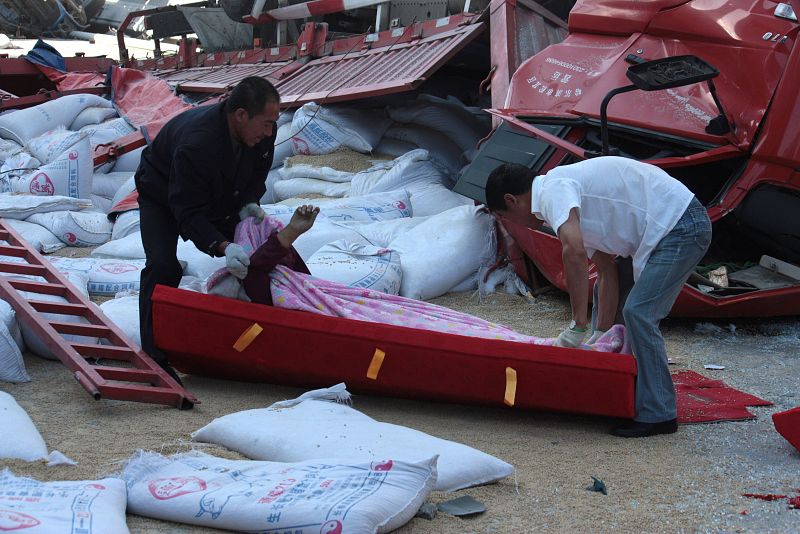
{"type": "Point", "coordinates": [689, 481]}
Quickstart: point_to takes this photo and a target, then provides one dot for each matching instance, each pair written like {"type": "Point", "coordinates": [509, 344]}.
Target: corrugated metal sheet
{"type": "Point", "coordinates": [210, 79]}
{"type": "Point", "coordinates": [380, 71]}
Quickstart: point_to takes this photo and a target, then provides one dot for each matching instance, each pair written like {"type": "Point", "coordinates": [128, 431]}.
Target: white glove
{"type": "Point", "coordinates": [595, 336]}
{"type": "Point", "coordinates": [252, 210]}
{"type": "Point", "coordinates": [571, 337]}
{"type": "Point", "coordinates": [236, 260]}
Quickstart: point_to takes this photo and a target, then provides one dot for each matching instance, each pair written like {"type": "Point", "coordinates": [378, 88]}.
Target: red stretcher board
{"type": "Point", "coordinates": [229, 339]}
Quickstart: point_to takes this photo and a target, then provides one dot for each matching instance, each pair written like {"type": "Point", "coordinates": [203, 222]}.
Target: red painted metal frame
{"type": "Point", "coordinates": [545, 251]}
{"type": "Point", "coordinates": [142, 380]}
{"type": "Point", "coordinates": [379, 71]}
{"type": "Point", "coordinates": [765, 108]}
{"type": "Point", "coordinates": [45, 96]}
{"type": "Point", "coordinates": [310, 350]}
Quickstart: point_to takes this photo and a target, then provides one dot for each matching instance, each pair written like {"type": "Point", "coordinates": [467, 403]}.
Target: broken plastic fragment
{"type": "Point", "coordinates": [794, 503]}
{"type": "Point", "coordinates": [714, 367]}
{"type": "Point", "coordinates": [462, 506]}
{"type": "Point", "coordinates": [598, 486]}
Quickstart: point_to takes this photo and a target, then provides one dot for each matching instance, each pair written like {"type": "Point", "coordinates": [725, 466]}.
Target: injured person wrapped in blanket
{"type": "Point", "coordinates": [277, 276]}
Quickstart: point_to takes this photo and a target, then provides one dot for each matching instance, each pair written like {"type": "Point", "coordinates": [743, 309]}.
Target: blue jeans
{"type": "Point", "coordinates": [651, 299]}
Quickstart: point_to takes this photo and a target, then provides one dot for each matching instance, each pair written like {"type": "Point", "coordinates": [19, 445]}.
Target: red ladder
{"type": "Point", "coordinates": [134, 376]}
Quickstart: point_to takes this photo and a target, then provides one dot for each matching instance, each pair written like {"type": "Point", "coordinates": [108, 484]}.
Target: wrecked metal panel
{"type": "Point", "coordinates": [384, 70]}
{"type": "Point", "coordinates": [212, 79]}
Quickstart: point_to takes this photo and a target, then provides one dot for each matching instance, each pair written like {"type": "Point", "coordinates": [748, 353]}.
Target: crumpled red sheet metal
{"type": "Point", "coordinates": [703, 400]}
{"type": "Point", "coordinates": [788, 425]}
{"type": "Point", "coordinates": [144, 100]}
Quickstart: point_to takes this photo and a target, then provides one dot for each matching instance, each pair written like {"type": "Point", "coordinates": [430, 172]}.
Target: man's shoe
{"type": "Point", "coordinates": [635, 429]}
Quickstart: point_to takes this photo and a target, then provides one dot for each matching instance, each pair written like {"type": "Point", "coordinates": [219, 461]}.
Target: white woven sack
{"type": "Point", "coordinates": [124, 312]}
{"type": "Point", "coordinates": [37, 236]}
{"type": "Point", "coordinates": [198, 264]}
{"type": "Point", "coordinates": [129, 161]}
{"type": "Point", "coordinates": [92, 115]}
{"type": "Point", "coordinates": [12, 366]}
{"type": "Point", "coordinates": [35, 344]}
{"type": "Point", "coordinates": [447, 118]}
{"type": "Point", "coordinates": [443, 151]}
{"type": "Point", "coordinates": [324, 496]}
{"type": "Point", "coordinates": [394, 147]}
{"type": "Point", "coordinates": [124, 190]}
{"type": "Point", "coordinates": [125, 224]}
{"type": "Point", "coordinates": [303, 170]}
{"type": "Point", "coordinates": [70, 174]}
{"type": "Point", "coordinates": [48, 146]}
{"type": "Point", "coordinates": [14, 167]}
{"type": "Point", "coordinates": [381, 233]}
{"type": "Point", "coordinates": [107, 132]}
{"type": "Point", "coordinates": [19, 438]}
{"type": "Point", "coordinates": [75, 507]}
{"type": "Point", "coordinates": [100, 204]}
{"type": "Point", "coordinates": [297, 187]}
{"type": "Point", "coordinates": [129, 247]}
{"type": "Point", "coordinates": [283, 145]}
{"type": "Point", "coordinates": [106, 277]}
{"type": "Point", "coordinates": [322, 130]}
{"type": "Point", "coordinates": [440, 253]}
{"type": "Point", "coordinates": [358, 265]}
{"type": "Point", "coordinates": [432, 199]}
{"type": "Point", "coordinates": [305, 429]}
{"type": "Point", "coordinates": [25, 124]}
{"type": "Point", "coordinates": [323, 232]}
{"type": "Point", "coordinates": [269, 195]}
{"type": "Point", "coordinates": [76, 228]}
{"type": "Point", "coordinates": [401, 173]}
{"type": "Point", "coordinates": [107, 184]}
{"type": "Point", "coordinates": [367, 208]}
{"type": "Point", "coordinates": [22, 206]}
{"type": "Point", "coordinates": [9, 318]}
{"type": "Point", "coordinates": [9, 148]}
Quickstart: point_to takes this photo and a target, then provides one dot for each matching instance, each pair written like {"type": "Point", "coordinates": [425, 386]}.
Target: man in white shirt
{"type": "Point", "coordinates": [604, 209]}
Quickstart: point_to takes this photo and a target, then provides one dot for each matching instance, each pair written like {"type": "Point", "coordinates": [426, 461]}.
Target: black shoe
{"type": "Point", "coordinates": [635, 429]}
{"type": "Point", "coordinates": [171, 372]}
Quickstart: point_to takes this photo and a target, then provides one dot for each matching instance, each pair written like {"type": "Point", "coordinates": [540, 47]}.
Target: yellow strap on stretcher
{"type": "Point", "coordinates": [375, 364]}
{"type": "Point", "coordinates": [247, 337]}
{"type": "Point", "coordinates": [511, 386]}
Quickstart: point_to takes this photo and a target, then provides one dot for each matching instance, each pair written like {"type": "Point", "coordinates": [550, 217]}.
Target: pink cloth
{"type": "Point", "coordinates": [298, 291]}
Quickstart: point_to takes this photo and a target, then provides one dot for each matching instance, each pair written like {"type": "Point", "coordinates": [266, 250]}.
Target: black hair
{"type": "Point", "coordinates": [252, 94]}
{"type": "Point", "coordinates": [509, 178]}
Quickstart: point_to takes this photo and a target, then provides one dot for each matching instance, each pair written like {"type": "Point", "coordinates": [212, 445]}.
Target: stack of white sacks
{"type": "Point", "coordinates": [396, 227]}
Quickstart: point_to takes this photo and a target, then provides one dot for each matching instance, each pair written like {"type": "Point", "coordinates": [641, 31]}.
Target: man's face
{"type": "Point", "coordinates": [252, 130]}
{"type": "Point", "coordinates": [518, 210]}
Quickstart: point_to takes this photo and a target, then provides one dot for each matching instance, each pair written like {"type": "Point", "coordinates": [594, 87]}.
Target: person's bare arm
{"type": "Point", "coordinates": [302, 220]}
{"type": "Point", "coordinates": [576, 267]}
{"type": "Point", "coordinates": [607, 290]}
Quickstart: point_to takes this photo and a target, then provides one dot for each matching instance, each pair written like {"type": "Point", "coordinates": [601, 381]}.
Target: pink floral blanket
{"type": "Point", "coordinates": [298, 291]}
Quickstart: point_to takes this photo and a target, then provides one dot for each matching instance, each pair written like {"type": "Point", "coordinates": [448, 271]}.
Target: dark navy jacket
{"type": "Point", "coordinates": [192, 168]}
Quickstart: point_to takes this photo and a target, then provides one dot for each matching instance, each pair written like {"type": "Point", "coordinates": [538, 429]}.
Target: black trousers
{"type": "Point", "coordinates": [160, 239]}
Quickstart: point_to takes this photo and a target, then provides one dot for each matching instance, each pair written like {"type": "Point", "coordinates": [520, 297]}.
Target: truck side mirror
{"type": "Point", "coordinates": [659, 74]}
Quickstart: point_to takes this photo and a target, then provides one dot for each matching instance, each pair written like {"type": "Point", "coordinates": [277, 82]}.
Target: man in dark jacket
{"type": "Point", "coordinates": [204, 172]}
